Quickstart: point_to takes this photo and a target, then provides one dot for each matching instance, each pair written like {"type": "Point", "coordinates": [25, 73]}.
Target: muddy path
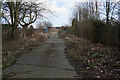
{"type": "Point", "coordinates": [46, 61]}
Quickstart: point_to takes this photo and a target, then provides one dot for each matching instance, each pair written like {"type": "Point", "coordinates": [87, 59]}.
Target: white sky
{"type": "Point", "coordinates": [62, 9]}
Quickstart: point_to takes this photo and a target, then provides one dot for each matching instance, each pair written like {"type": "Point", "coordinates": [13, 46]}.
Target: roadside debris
{"type": "Point", "coordinates": [97, 60]}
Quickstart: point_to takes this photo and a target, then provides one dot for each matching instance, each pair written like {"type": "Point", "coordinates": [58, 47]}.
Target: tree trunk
{"type": "Point", "coordinates": [119, 12]}
{"type": "Point", "coordinates": [14, 11]}
{"type": "Point", "coordinates": [79, 15]}
{"type": "Point", "coordinates": [24, 30]}
{"type": "Point", "coordinates": [107, 11]}
{"type": "Point", "coordinates": [96, 9]}
{"type": "Point", "coordinates": [24, 33]}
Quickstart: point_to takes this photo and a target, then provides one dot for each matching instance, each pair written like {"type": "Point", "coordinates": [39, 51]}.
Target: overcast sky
{"type": "Point", "coordinates": [61, 9]}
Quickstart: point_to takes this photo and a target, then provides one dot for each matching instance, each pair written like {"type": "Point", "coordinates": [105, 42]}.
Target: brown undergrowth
{"type": "Point", "coordinates": [17, 47]}
{"type": "Point", "coordinates": [92, 60]}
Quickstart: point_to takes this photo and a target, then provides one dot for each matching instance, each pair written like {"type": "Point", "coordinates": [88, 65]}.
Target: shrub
{"type": "Point", "coordinates": [30, 31]}
{"type": "Point", "coordinates": [97, 31]}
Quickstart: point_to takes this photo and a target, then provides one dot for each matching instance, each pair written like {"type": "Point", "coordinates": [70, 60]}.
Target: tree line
{"type": "Point", "coordinates": [23, 14]}
{"type": "Point", "coordinates": [97, 21]}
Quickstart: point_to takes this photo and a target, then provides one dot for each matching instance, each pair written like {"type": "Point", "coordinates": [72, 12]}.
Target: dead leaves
{"type": "Point", "coordinates": [17, 47]}
{"type": "Point", "coordinates": [97, 60]}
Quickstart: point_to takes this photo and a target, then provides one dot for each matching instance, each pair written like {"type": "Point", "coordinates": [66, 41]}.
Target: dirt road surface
{"type": "Point", "coordinates": [46, 61]}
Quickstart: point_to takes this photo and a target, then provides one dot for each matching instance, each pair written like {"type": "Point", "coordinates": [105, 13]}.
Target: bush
{"type": "Point", "coordinates": [30, 31]}
{"type": "Point", "coordinates": [5, 33]}
{"type": "Point", "coordinates": [97, 31]}
{"type": "Point", "coordinates": [5, 26]}
{"type": "Point", "coordinates": [111, 35]}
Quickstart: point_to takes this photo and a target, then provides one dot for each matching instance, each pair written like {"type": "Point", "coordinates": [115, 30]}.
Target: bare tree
{"type": "Point", "coordinates": [47, 24]}
{"type": "Point", "coordinates": [96, 3]}
{"type": "Point", "coordinates": [111, 9]}
{"type": "Point", "coordinates": [23, 13]}
{"type": "Point", "coordinates": [10, 12]}
{"type": "Point", "coordinates": [29, 12]}
{"type": "Point", "coordinates": [119, 12]}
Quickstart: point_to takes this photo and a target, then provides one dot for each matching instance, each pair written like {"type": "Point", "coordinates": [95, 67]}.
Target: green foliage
{"type": "Point", "coordinates": [30, 31]}
{"type": "Point", "coordinates": [5, 26]}
{"type": "Point", "coordinates": [78, 57]}
{"type": "Point", "coordinates": [119, 35]}
{"type": "Point", "coordinates": [74, 27]}
{"type": "Point", "coordinates": [111, 35]}
{"type": "Point", "coordinates": [94, 55]}
{"type": "Point", "coordinates": [8, 60]}
{"type": "Point", "coordinates": [97, 31]}
{"type": "Point", "coordinates": [31, 27]}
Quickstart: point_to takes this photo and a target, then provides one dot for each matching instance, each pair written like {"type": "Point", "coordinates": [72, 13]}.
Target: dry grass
{"type": "Point", "coordinates": [15, 48]}
{"type": "Point", "coordinates": [92, 60]}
